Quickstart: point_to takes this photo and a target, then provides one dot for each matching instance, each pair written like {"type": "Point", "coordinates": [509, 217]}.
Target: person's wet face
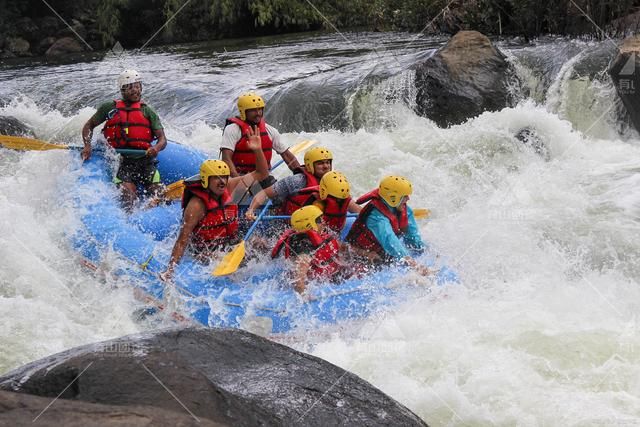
{"type": "Point", "coordinates": [321, 167]}
{"type": "Point", "coordinates": [132, 92]}
{"type": "Point", "coordinates": [254, 115]}
{"type": "Point", "coordinates": [217, 184]}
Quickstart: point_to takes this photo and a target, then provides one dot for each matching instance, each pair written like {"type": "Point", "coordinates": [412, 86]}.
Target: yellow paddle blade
{"type": "Point", "coordinates": [29, 144]}
{"type": "Point", "coordinates": [231, 261]}
{"type": "Point", "coordinates": [421, 213]}
{"type": "Point", "coordinates": [174, 190]}
{"type": "Point", "coordinates": [302, 146]}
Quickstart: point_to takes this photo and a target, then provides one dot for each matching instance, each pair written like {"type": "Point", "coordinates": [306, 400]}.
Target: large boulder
{"type": "Point", "coordinates": [227, 376]}
{"type": "Point", "coordinates": [18, 46]}
{"type": "Point", "coordinates": [64, 46]}
{"type": "Point", "coordinates": [625, 73]}
{"type": "Point", "coordinates": [464, 78]}
{"type": "Point", "coordinates": [19, 409]}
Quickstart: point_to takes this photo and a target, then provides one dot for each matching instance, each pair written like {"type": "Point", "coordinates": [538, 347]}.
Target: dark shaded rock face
{"type": "Point", "coordinates": [12, 126]}
{"type": "Point", "coordinates": [463, 79]}
{"type": "Point", "coordinates": [625, 73]}
{"type": "Point", "coordinates": [19, 409]}
{"type": "Point", "coordinates": [64, 46]}
{"type": "Point", "coordinates": [226, 376]}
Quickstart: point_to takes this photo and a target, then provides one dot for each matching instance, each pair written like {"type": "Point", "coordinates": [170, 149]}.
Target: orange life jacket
{"type": "Point", "coordinates": [362, 237]}
{"type": "Point", "coordinates": [220, 224]}
{"type": "Point", "coordinates": [302, 197]}
{"type": "Point", "coordinates": [325, 251]}
{"type": "Point", "coordinates": [128, 128]}
{"type": "Point", "coordinates": [243, 158]}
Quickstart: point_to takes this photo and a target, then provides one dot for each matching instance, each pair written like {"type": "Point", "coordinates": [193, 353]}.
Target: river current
{"type": "Point", "coordinates": [542, 329]}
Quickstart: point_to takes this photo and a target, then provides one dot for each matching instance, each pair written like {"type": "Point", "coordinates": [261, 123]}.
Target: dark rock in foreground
{"type": "Point", "coordinates": [463, 79]}
{"type": "Point", "coordinates": [625, 73]}
{"type": "Point", "coordinates": [226, 376]}
{"type": "Point", "coordinates": [19, 409]}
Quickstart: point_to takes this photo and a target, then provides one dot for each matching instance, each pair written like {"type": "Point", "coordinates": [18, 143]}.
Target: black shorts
{"type": "Point", "coordinates": [143, 171]}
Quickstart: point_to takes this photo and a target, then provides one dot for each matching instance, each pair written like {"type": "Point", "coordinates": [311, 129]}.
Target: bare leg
{"type": "Point", "coordinates": [128, 195]}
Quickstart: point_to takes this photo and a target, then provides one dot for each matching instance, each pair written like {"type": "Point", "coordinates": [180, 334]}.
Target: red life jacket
{"type": "Point", "coordinates": [302, 197]}
{"type": "Point", "coordinates": [325, 251]}
{"type": "Point", "coordinates": [362, 237]}
{"type": "Point", "coordinates": [334, 211]}
{"type": "Point", "coordinates": [220, 224]}
{"type": "Point", "coordinates": [128, 128]}
{"type": "Point", "coordinates": [243, 158]}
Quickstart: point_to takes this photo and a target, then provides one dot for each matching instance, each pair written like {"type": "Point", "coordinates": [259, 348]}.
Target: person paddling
{"type": "Point", "coordinates": [386, 230]}
{"type": "Point", "coordinates": [334, 200]}
{"type": "Point", "coordinates": [296, 191]}
{"type": "Point", "coordinates": [130, 124]}
{"type": "Point", "coordinates": [314, 251]}
{"type": "Point", "coordinates": [210, 218]}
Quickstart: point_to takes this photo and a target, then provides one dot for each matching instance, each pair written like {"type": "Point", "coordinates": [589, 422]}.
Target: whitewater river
{"type": "Point", "coordinates": [542, 329]}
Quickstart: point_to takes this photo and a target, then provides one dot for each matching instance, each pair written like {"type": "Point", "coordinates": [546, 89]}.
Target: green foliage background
{"type": "Point", "coordinates": [132, 22]}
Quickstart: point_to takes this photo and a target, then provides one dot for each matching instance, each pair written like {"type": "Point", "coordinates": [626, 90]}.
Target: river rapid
{"type": "Point", "coordinates": [542, 329]}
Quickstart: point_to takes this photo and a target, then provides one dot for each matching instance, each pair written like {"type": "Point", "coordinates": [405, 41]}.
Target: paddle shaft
{"type": "Point", "coordinates": [255, 223]}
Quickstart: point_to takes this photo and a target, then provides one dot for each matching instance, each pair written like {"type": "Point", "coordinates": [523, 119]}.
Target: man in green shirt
{"type": "Point", "coordinates": [132, 125]}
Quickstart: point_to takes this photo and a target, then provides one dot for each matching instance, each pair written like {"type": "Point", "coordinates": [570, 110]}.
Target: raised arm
{"type": "Point", "coordinates": [262, 167]}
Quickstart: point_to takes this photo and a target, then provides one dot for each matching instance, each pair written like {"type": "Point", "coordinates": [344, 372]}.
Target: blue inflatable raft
{"type": "Point", "coordinates": [138, 247]}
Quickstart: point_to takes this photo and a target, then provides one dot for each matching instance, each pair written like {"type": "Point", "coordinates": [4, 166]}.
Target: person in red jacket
{"type": "Point", "coordinates": [334, 199]}
{"type": "Point", "coordinates": [210, 218]}
{"type": "Point", "coordinates": [295, 191]}
{"type": "Point", "coordinates": [314, 251]}
{"type": "Point", "coordinates": [386, 230]}
{"type": "Point", "coordinates": [234, 150]}
{"type": "Point", "coordinates": [130, 124]}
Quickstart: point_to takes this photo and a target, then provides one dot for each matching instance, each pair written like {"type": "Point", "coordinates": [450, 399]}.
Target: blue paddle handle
{"type": "Point", "coordinates": [255, 223]}
{"type": "Point", "coordinates": [269, 217]}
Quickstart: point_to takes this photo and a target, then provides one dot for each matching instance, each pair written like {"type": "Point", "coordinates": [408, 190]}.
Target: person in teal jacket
{"type": "Point", "coordinates": [386, 229]}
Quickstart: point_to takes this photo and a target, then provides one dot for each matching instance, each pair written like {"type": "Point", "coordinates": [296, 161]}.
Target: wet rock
{"type": "Point", "coordinates": [223, 375]}
{"type": "Point", "coordinates": [463, 79]}
{"type": "Point", "coordinates": [626, 25]}
{"type": "Point", "coordinates": [5, 54]}
{"type": "Point", "coordinates": [19, 409]}
{"type": "Point", "coordinates": [625, 73]}
{"type": "Point", "coordinates": [64, 46]}
{"type": "Point", "coordinates": [12, 126]}
{"type": "Point", "coordinates": [530, 138]}
{"type": "Point", "coordinates": [45, 44]}
{"type": "Point", "coordinates": [18, 46]}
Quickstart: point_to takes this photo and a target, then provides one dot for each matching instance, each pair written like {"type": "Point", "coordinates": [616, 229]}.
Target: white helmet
{"type": "Point", "coordinates": [128, 77]}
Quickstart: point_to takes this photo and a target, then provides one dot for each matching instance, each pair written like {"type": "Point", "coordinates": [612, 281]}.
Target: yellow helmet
{"type": "Point", "coordinates": [305, 218]}
{"type": "Point", "coordinates": [393, 188]}
{"type": "Point", "coordinates": [212, 168]}
{"type": "Point", "coordinates": [334, 184]}
{"type": "Point", "coordinates": [315, 155]}
{"type": "Point", "coordinates": [247, 101]}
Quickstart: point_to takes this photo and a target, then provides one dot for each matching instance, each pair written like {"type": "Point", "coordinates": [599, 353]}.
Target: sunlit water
{"type": "Point", "coordinates": [542, 329]}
